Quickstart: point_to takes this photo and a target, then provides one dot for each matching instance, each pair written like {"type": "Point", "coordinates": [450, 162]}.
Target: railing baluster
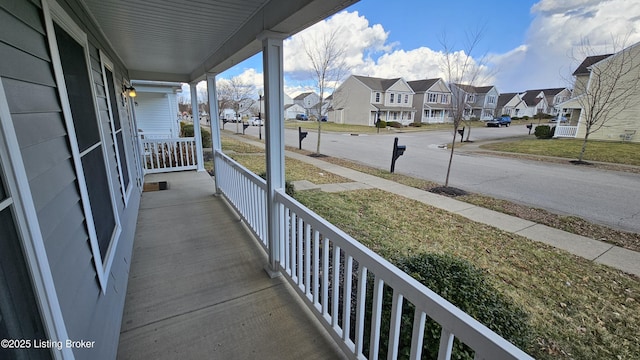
{"type": "Point", "coordinates": [300, 253]}
{"type": "Point", "coordinates": [417, 337]}
{"type": "Point", "coordinates": [335, 285]}
{"type": "Point", "coordinates": [394, 329]}
{"type": "Point", "coordinates": [376, 314]}
{"type": "Point", "coordinates": [325, 276]}
{"type": "Point", "coordinates": [346, 312]}
{"type": "Point", "coordinates": [446, 345]}
{"type": "Point", "coordinates": [307, 260]}
{"type": "Point", "coordinates": [294, 241]}
{"type": "Point", "coordinates": [316, 268]}
{"type": "Point", "coordinates": [360, 308]}
{"type": "Point", "coordinates": [287, 241]}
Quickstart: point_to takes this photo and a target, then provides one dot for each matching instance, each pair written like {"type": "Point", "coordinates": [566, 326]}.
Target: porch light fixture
{"type": "Point", "coordinates": [129, 90]}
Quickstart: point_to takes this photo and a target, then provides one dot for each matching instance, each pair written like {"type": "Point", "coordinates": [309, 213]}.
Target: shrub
{"type": "Point", "coordinates": [288, 186]}
{"type": "Point", "coordinates": [466, 287]}
{"type": "Point", "coordinates": [415, 124]}
{"type": "Point", "coordinates": [525, 117]}
{"type": "Point", "coordinates": [544, 131]}
{"type": "Point", "coordinates": [394, 124]}
{"type": "Point", "coordinates": [186, 130]}
{"type": "Point", "coordinates": [382, 124]}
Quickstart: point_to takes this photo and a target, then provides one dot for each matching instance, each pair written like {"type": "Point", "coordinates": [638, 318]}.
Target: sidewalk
{"type": "Point", "coordinates": [598, 251]}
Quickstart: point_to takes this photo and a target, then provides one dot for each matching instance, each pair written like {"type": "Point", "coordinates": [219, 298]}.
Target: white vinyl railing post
{"type": "Point", "coordinates": [216, 144]}
{"type": "Point", "coordinates": [272, 60]}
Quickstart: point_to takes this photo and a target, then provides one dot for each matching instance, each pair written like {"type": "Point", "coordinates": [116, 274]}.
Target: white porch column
{"type": "Point", "coordinates": [195, 112]}
{"type": "Point", "coordinates": [272, 64]}
{"type": "Point", "coordinates": [216, 144]}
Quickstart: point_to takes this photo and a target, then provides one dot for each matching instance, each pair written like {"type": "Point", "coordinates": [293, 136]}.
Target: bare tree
{"type": "Point", "coordinates": [235, 94]}
{"type": "Point", "coordinates": [462, 72]}
{"type": "Point", "coordinates": [611, 88]}
{"type": "Point", "coordinates": [326, 56]}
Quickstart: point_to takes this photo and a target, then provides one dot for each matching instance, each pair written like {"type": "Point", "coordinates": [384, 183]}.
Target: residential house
{"type": "Point", "coordinates": [361, 100]}
{"type": "Point", "coordinates": [480, 101]}
{"type": "Point", "coordinates": [435, 97]}
{"type": "Point", "coordinates": [71, 180]}
{"type": "Point", "coordinates": [608, 84]}
{"type": "Point", "coordinates": [309, 101]}
{"type": "Point", "coordinates": [291, 110]}
{"type": "Point", "coordinates": [156, 108]}
{"type": "Point", "coordinates": [544, 101]}
{"type": "Point", "coordinates": [510, 104]}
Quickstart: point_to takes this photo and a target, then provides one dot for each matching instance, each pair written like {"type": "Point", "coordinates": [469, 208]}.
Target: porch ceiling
{"type": "Point", "coordinates": [181, 40]}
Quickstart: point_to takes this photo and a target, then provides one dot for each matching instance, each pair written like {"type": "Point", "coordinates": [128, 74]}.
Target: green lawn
{"type": "Point", "coordinates": [578, 309]}
{"type": "Point", "coordinates": [360, 129]}
{"type": "Point", "coordinates": [604, 151]}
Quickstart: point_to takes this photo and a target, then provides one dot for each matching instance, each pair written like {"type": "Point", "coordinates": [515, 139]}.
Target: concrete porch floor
{"type": "Point", "coordinates": [197, 286]}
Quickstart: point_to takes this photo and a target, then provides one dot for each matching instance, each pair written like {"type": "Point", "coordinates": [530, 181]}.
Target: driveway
{"type": "Point", "coordinates": [606, 197]}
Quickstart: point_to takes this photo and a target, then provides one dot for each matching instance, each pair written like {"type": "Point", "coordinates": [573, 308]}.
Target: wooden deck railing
{"type": "Point", "coordinates": [165, 155]}
{"type": "Point", "coordinates": [342, 281]}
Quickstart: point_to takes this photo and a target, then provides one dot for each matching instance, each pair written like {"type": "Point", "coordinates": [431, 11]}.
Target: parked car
{"type": "Point", "coordinates": [562, 119]}
{"type": "Point", "coordinates": [256, 122]}
{"type": "Point", "coordinates": [323, 118]}
{"type": "Point", "coordinates": [499, 121]}
{"type": "Point", "coordinates": [302, 117]}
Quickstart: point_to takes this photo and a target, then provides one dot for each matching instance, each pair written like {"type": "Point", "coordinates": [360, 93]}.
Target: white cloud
{"type": "Point", "coordinates": [555, 35]}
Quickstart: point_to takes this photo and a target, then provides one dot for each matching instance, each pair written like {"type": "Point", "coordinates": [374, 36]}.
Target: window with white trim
{"type": "Point", "coordinates": [444, 98]}
{"type": "Point", "coordinates": [86, 139]}
{"type": "Point", "coordinates": [391, 98]}
{"type": "Point", "coordinates": [491, 99]}
{"type": "Point", "coordinates": [116, 127]}
{"type": "Point", "coordinates": [432, 97]}
{"type": "Point", "coordinates": [406, 98]}
{"type": "Point", "coordinates": [377, 97]}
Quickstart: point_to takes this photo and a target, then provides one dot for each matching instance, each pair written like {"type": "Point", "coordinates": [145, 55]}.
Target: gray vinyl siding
{"type": "Point", "coordinates": [27, 76]}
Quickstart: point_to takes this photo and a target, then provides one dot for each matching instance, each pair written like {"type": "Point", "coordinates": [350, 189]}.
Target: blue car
{"type": "Point", "coordinates": [500, 121]}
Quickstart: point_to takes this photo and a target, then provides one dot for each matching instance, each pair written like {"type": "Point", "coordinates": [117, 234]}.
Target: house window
{"type": "Point", "coordinates": [86, 140]}
{"type": "Point", "coordinates": [444, 98]}
{"type": "Point", "coordinates": [395, 116]}
{"type": "Point", "coordinates": [19, 308]}
{"type": "Point", "coordinates": [471, 98]}
{"type": "Point", "coordinates": [432, 98]}
{"type": "Point", "coordinates": [406, 98]}
{"type": "Point", "coordinates": [491, 99]}
{"type": "Point", "coordinates": [116, 127]}
{"type": "Point", "coordinates": [409, 116]}
{"type": "Point", "coordinates": [377, 97]}
{"type": "Point", "coordinates": [391, 98]}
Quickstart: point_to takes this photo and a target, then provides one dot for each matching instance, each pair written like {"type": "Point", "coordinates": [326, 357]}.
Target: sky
{"type": "Point", "coordinates": [524, 44]}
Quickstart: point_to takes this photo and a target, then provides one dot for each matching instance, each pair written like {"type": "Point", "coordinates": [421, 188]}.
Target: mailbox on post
{"type": "Point", "coordinates": [301, 136]}
{"type": "Point", "coordinates": [244, 127]}
{"type": "Point", "coordinates": [224, 122]}
{"type": "Point", "coordinates": [530, 126]}
{"type": "Point", "coordinates": [461, 132]}
{"type": "Point", "coordinates": [398, 150]}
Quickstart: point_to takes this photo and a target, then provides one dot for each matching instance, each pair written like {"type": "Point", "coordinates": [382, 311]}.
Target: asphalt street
{"type": "Point", "coordinates": [610, 198]}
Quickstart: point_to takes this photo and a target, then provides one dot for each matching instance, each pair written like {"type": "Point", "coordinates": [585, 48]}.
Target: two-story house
{"type": "Point", "coordinates": [480, 101]}
{"type": "Point", "coordinates": [544, 101]}
{"type": "Point", "coordinates": [597, 78]}
{"type": "Point", "coordinates": [433, 99]}
{"type": "Point", "coordinates": [308, 101]}
{"type": "Point", "coordinates": [361, 100]}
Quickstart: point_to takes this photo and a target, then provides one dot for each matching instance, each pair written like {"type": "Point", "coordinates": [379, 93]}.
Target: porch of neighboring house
{"type": "Point", "coordinates": [198, 288]}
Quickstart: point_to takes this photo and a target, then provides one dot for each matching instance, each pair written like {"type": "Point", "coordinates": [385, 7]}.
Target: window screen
{"type": "Point", "coordinates": [78, 83]}
{"type": "Point", "coordinates": [117, 126]}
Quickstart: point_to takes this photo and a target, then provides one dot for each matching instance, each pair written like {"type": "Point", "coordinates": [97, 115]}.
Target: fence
{"type": "Point", "coordinates": [165, 155]}
{"type": "Point", "coordinates": [343, 282]}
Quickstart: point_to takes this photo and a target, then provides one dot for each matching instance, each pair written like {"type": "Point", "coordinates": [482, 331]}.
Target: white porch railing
{"type": "Point", "coordinates": [566, 131]}
{"type": "Point", "coordinates": [331, 272]}
{"type": "Point", "coordinates": [166, 155]}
